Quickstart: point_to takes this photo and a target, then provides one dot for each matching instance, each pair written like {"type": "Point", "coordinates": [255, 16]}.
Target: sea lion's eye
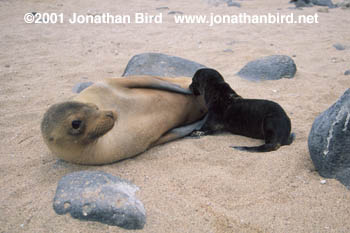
{"type": "Point", "coordinates": [76, 124]}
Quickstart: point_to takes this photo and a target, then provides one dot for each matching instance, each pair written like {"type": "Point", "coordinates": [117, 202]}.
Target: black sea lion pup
{"type": "Point", "coordinates": [261, 119]}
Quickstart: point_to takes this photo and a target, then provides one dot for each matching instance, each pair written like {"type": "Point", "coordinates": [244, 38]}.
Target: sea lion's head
{"type": "Point", "coordinates": [70, 126]}
{"type": "Point", "coordinates": [204, 78]}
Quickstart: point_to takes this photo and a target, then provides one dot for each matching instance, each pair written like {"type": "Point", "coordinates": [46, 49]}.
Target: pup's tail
{"type": "Point", "coordinates": [266, 147]}
{"type": "Point", "coordinates": [262, 148]}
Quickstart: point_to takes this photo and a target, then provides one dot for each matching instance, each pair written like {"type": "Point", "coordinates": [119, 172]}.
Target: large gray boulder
{"type": "Point", "coordinates": [329, 141]}
{"type": "Point", "coordinates": [269, 68]}
{"type": "Point", "coordinates": [99, 196]}
{"type": "Point", "coordinates": [155, 64]}
{"type": "Point", "coordinates": [158, 64]}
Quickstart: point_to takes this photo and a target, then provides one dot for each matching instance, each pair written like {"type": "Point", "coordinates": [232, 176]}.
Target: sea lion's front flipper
{"type": "Point", "coordinates": [180, 132]}
{"type": "Point", "coordinates": [149, 82]}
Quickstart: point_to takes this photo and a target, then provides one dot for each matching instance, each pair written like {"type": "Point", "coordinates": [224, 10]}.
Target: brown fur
{"type": "Point", "coordinates": [120, 118]}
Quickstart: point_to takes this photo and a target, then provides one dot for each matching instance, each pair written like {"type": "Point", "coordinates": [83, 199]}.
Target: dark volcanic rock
{"type": "Point", "coordinates": [99, 196]}
{"type": "Point", "coordinates": [329, 141]}
{"type": "Point", "coordinates": [79, 87]}
{"type": "Point", "coordinates": [269, 68]}
{"type": "Point", "coordinates": [158, 64]}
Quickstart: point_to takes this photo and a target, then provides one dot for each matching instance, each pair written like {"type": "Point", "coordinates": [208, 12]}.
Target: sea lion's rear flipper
{"type": "Point", "coordinates": [151, 83]}
{"type": "Point", "coordinates": [263, 148]}
{"type": "Point", "coordinates": [180, 132]}
{"type": "Point", "coordinates": [266, 147]}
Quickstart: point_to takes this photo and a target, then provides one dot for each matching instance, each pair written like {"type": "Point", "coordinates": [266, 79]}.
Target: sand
{"type": "Point", "coordinates": [190, 185]}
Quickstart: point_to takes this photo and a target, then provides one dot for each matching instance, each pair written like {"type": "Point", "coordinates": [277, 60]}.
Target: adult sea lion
{"type": "Point", "coordinates": [121, 117]}
{"type": "Point", "coordinates": [260, 119]}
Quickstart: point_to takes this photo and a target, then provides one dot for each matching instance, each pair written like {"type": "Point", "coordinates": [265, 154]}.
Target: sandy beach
{"type": "Point", "coordinates": [190, 185]}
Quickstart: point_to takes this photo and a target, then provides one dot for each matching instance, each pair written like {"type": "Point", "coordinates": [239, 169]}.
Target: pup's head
{"type": "Point", "coordinates": [204, 78]}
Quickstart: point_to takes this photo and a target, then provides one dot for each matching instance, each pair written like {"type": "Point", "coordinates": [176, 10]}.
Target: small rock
{"type": "Point", "coordinates": [323, 10]}
{"type": "Point", "coordinates": [347, 72]}
{"type": "Point", "coordinates": [162, 8]}
{"type": "Point", "coordinates": [308, 3]}
{"type": "Point", "coordinates": [337, 60]}
{"type": "Point", "coordinates": [158, 64]}
{"type": "Point", "coordinates": [228, 51]}
{"type": "Point", "coordinates": [175, 13]}
{"type": "Point", "coordinates": [215, 2]}
{"type": "Point", "coordinates": [269, 68]}
{"type": "Point", "coordinates": [339, 46]}
{"type": "Point", "coordinates": [93, 13]}
{"type": "Point", "coordinates": [328, 3]}
{"type": "Point", "coordinates": [61, 164]}
{"type": "Point", "coordinates": [329, 141]}
{"type": "Point", "coordinates": [99, 196]}
{"type": "Point", "coordinates": [323, 181]}
{"type": "Point", "coordinates": [79, 87]}
{"type": "Point", "coordinates": [231, 3]}
{"type": "Point", "coordinates": [344, 5]}
{"type": "Point", "coordinates": [7, 66]}
{"type": "Point", "coordinates": [301, 3]}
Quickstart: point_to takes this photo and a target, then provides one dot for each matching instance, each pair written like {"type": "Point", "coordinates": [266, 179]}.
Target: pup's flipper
{"type": "Point", "coordinates": [266, 147]}
{"type": "Point", "coordinates": [149, 82]}
{"type": "Point", "coordinates": [180, 132]}
{"type": "Point", "coordinates": [262, 148]}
